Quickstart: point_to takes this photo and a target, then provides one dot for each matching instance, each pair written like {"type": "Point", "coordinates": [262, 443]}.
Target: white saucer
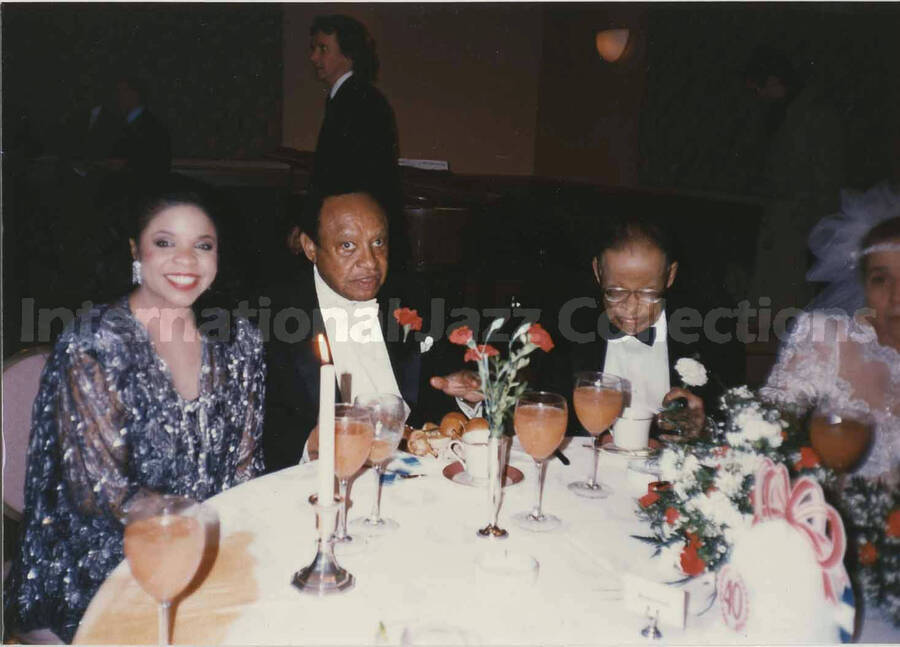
{"type": "Point", "coordinates": [456, 473]}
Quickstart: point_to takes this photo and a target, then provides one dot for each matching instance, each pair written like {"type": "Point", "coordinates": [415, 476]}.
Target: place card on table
{"type": "Point", "coordinates": [646, 597]}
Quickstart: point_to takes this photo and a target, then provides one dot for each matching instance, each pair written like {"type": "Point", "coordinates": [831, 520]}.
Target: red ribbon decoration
{"type": "Point", "coordinates": [804, 507]}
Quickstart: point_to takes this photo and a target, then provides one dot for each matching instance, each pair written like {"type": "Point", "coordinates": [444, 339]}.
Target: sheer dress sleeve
{"type": "Point", "coordinates": [250, 451]}
{"type": "Point", "coordinates": [92, 437]}
{"type": "Point", "coordinates": [807, 362]}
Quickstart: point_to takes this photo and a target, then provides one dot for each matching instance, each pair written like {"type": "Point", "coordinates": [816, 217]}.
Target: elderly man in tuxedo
{"type": "Point", "coordinates": [632, 335]}
{"type": "Point", "coordinates": [347, 296]}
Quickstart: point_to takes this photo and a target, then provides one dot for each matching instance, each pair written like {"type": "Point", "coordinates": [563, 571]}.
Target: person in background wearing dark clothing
{"type": "Point", "coordinates": [357, 144]}
{"type": "Point", "coordinates": [144, 142]}
{"type": "Point", "coordinates": [802, 174]}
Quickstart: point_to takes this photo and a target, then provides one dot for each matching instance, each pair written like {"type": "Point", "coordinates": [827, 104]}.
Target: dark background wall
{"type": "Point", "coordinates": [214, 71]}
{"type": "Point", "coordinates": [507, 89]}
{"type": "Point", "coordinates": [700, 128]}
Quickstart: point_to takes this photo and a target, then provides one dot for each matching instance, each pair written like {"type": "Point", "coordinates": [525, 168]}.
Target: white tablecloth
{"type": "Point", "coordinates": [423, 578]}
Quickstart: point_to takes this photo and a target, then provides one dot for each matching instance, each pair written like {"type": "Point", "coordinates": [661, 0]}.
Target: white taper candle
{"type": "Point", "coordinates": [326, 425]}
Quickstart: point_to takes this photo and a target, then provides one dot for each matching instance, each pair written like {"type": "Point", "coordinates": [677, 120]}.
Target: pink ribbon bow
{"type": "Point", "coordinates": [804, 507]}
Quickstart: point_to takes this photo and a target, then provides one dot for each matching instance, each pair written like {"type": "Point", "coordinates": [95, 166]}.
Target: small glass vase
{"type": "Point", "coordinates": [496, 468]}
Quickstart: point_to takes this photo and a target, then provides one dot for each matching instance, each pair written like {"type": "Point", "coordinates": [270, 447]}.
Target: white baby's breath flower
{"type": "Point", "coordinates": [691, 464]}
{"type": "Point", "coordinates": [729, 481]}
{"type": "Point", "coordinates": [691, 372]}
{"type": "Point", "coordinates": [669, 465]}
{"type": "Point", "coordinates": [748, 462]}
{"type": "Point", "coordinates": [742, 391]}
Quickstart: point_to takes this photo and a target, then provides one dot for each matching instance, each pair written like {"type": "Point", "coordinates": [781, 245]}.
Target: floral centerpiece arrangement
{"type": "Point", "coordinates": [498, 374]}
{"type": "Point", "coordinates": [703, 504]}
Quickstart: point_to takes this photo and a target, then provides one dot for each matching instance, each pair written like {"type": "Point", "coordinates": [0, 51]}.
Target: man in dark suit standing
{"type": "Point", "coordinates": [640, 333]}
{"type": "Point", "coordinates": [347, 297]}
{"type": "Point", "coordinates": [144, 142]}
{"type": "Point", "coordinates": [357, 143]}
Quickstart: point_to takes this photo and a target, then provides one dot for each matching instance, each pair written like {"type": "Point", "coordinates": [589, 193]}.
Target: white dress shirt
{"type": "Point", "coordinates": [646, 367]}
{"type": "Point", "coordinates": [337, 84]}
{"type": "Point", "coordinates": [356, 342]}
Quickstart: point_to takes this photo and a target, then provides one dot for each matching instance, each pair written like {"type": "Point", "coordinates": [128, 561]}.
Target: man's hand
{"type": "Point", "coordinates": [462, 384]}
{"type": "Point", "coordinates": [691, 420]}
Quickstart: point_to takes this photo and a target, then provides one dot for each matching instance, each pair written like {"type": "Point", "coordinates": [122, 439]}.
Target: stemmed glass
{"type": "Point", "coordinates": [389, 414]}
{"type": "Point", "coordinates": [840, 434]}
{"type": "Point", "coordinates": [540, 422]}
{"type": "Point", "coordinates": [354, 433]}
{"type": "Point", "coordinates": [165, 539]}
{"type": "Point", "coordinates": [599, 399]}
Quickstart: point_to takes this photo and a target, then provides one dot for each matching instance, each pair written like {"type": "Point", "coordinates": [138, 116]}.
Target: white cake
{"type": "Point", "coordinates": [776, 592]}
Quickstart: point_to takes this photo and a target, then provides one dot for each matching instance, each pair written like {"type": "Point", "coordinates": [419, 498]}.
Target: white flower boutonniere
{"type": "Point", "coordinates": [691, 372]}
{"type": "Point", "coordinates": [426, 344]}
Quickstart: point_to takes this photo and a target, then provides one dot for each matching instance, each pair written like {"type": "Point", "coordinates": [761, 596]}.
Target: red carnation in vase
{"type": "Point", "coordinates": [540, 337]}
{"type": "Point", "coordinates": [408, 317]}
{"type": "Point", "coordinates": [475, 354]}
{"type": "Point", "coordinates": [808, 459]}
{"type": "Point", "coordinates": [868, 554]}
{"type": "Point", "coordinates": [893, 524]}
{"type": "Point", "coordinates": [672, 515]}
{"type": "Point", "coordinates": [648, 499]}
{"type": "Point", "coordinates": [461, 335]}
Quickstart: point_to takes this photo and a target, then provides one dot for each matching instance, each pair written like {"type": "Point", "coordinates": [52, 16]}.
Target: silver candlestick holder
{"type": "Point", "coordinates": [324, 575]}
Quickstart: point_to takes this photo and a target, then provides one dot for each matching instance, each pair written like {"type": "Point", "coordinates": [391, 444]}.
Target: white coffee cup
{"type": "Point", "coordinates": [632, 429]}
{"type": "Point", "coordinates": [440, 445]}
{"type": "Point", "coordinates": [472, 452]}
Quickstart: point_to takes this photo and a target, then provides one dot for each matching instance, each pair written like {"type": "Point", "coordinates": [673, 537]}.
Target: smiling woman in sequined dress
{"type": "Point", "coordinates": [134, 397]}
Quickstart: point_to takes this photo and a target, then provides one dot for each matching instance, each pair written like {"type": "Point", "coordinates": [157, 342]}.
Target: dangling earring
{"type": "Point", "coordinates": [136, 272]}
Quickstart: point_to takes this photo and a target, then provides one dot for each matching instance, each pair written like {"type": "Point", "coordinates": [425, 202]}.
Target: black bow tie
{"type": "Point", "coordinates": [647, 336]}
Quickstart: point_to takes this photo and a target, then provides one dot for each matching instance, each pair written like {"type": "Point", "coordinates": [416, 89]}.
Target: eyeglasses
{"type": "Point", "coordinates": [618, 295]}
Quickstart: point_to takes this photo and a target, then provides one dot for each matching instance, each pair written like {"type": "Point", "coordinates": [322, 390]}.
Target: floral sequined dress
{"type": "Point", "coordinates": [108, 423]}
{"type": "Point", "coordinates": [839, 357]}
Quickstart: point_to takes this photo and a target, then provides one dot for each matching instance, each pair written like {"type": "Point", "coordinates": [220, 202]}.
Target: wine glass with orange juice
{"type": "Point", "coordinates": [165, 539]}
{"type": "Point", "coordinates": [599, 399]}
{"type": "Point", "coordinates": [540, 421]}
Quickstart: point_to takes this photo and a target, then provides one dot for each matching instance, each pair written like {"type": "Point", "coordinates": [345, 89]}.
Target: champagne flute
{"type": "Point", "coordinates": [840, 434]}
{"type": "Point", "coordinates": [165, 539]}
{"type": "Point", "coordinates": [353, 436]}
{"type": "Point", "coordinates": [599, 399]}
{"type": "Point", "coordinates": [389, 413]}
{"type": "Point", "coordinates": [540, 422]}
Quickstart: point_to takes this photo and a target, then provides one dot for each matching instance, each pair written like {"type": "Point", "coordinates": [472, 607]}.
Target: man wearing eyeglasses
{"type": "Point", "coordinates": [634, 268]}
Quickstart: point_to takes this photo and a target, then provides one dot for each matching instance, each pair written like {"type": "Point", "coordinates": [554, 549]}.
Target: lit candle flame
{"type": "Point", "coordinates": [323, 349]}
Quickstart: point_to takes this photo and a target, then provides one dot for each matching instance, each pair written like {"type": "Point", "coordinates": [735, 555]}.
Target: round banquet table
{"type": "Point", "coordinates": [420, 581]}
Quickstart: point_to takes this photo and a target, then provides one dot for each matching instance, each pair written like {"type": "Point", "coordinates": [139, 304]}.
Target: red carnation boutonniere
{"type": "Point", "coordinates": [409, 319]}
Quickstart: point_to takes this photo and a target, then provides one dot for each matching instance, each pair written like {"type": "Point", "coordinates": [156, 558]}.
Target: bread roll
{"type": "Point", "coordinates": [453, 424]}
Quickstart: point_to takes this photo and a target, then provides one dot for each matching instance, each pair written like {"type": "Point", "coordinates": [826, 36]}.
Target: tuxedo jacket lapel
{"type": "Point", "coordinates": [307, 360]}
{"type": "Point", "coordinates": [405, 362]}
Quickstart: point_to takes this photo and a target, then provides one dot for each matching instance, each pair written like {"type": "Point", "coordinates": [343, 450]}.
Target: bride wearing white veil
{"type": "Point", "coordinates": [846, 348]}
